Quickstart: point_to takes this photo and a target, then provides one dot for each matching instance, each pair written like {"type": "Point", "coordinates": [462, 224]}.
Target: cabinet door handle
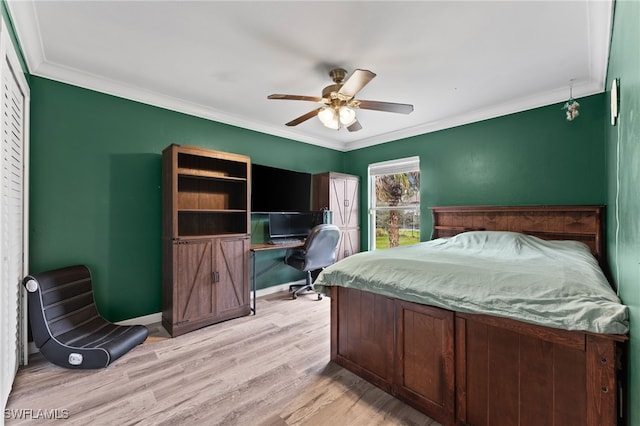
{"type": "Point", "coordinates": [215, 275]}
{"type": "Point", "coordinates": [346, 203]}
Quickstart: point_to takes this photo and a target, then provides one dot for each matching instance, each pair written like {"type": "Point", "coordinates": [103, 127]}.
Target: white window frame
{"type": "Point", "coordinates": [400, 165]}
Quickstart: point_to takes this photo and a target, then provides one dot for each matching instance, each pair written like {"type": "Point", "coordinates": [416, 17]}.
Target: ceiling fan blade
{"type": "Point", "coordinates": [385, 106]}
{"type": "Point", "coordinates": [303, 117]}
{"type": "Point", "coordinates": [296, 97]}
{"type": "Point", "coordinates": [355, 126]}
{"type": "Point", "coordinates": [355, 83]}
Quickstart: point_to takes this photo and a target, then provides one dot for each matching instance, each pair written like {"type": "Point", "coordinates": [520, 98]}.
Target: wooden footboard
{"type": "Point", "coordinates": [475, 369]}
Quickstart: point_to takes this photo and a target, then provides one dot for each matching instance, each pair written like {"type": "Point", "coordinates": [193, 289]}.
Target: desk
{"type": "Point", "coordinates": [264, 247]}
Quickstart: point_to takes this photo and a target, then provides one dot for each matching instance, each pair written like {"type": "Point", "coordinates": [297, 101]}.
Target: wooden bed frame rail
{"type": "Point", "coordinates": [472, 369]}
{"type": "Point", "coordinates": [476, 369]}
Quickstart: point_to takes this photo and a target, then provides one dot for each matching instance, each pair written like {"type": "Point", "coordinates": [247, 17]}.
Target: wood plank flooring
{"type": "Point", "coordinates": [268, 369]}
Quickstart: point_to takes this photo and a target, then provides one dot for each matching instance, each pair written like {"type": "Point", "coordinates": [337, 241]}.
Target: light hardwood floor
{"type": "Point", "coordinates": [268, 369]}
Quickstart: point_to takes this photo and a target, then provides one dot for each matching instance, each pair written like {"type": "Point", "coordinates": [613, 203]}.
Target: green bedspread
{"type": "Point", "coordinates": [551, 283]}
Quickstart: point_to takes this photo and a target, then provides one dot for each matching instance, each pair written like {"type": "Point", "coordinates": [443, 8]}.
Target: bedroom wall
{"type": "Point", "coordinates": [623, 178]}
{"type": "Point", "coordinates": [95, 183]}
{"type": "Point", "coordinates": [95, 187]}
{"type": "Point", "coordinates": [528, 158]}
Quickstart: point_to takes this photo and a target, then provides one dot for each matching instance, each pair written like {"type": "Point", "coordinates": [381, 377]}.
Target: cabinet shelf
{"type": "Point", "coordinates": [209, 194]}
{"type": "Point", "coordinates": [207, 174]}
{"type": "Point", "coordinates": [212, 211]}
{"type": "Point", "coordinates": [207, 237]}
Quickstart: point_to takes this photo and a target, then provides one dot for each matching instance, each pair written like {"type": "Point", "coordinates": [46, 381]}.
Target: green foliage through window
{"type": "Point", "coordinates": [396, 209]}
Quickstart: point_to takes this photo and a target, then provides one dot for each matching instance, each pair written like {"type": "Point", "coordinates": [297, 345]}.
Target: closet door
{"type": "Point", "coordinates": [14, 107]}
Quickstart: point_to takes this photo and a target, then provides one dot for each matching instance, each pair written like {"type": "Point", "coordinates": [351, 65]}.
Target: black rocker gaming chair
{"type": "Point", "coordinates": [319, 251]}
{"type": "Point", "coordinates": [66, 325]}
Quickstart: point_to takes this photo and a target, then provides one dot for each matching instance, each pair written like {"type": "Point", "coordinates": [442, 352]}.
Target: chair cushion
{"type": "Point", "coordinates": [295, 257]}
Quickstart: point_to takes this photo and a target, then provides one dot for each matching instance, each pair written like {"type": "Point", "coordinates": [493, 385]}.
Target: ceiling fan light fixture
{"type": "Point", "coordinates": [329, 117]}
{"type": "Point", "coordinates": [347, 115]}
{"type": "Point", "coordinates": [340, 102]}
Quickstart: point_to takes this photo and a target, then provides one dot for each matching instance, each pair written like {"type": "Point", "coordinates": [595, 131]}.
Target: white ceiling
{"type": "Point", "coordinates": [456, 62]}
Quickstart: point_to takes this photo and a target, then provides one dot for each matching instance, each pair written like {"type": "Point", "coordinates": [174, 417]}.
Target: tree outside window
{"type": "Point", "coordinates": [395, 203]}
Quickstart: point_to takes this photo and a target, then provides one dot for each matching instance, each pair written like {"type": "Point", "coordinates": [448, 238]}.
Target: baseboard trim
{"type": "Point", "coordinates": [277, 288]}
{"type": "Point", "coordinates": [143, 320]}
{"type": "Point", "coordinates": [157, 317]}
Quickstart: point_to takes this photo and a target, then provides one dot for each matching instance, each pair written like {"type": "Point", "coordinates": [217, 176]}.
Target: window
{"type": "Point", "coordinates": [394, 203]}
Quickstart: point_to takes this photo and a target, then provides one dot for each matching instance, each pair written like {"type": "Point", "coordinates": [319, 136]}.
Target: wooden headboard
{"type": "Point", "coordinates": [581, 223]}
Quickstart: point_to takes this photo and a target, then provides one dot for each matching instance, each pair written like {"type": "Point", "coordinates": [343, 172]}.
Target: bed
{"type": "Point", "coordinates": [529, 333]}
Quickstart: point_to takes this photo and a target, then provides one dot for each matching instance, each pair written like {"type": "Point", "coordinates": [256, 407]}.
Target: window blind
{"type": "Point", "coordinates": [391, 167]}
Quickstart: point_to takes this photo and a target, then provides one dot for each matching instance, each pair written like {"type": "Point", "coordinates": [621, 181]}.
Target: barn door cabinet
{"type": "Point", "coordinates": [206, 238]}
{"type": "Point", "coordinates": [339, 193]}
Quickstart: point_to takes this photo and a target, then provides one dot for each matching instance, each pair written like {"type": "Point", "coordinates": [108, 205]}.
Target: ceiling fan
{"type": "Point", "coordinates": [340, 103]}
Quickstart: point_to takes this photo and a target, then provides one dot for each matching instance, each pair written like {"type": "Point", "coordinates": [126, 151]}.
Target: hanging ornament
{"type": "Point", "coordinates": [571, 105]}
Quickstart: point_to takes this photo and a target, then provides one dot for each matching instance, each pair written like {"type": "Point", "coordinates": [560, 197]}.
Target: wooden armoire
{"type": "Point", "coordinates": [205, 237]}
{"type": "Point", "coordinates": [339, 193]}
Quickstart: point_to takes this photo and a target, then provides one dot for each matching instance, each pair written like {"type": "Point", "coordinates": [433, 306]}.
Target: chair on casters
{"type": "Point", "coordinates": [66, 325]}
{"type": "Point", "coordinates": [318, 252]}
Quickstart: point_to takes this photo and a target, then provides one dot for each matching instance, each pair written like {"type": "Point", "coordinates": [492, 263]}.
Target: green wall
{"type": "Point", "coordinates": [623, 181]}
{"type": "Point", "coordinates": [95, 188]}
{"type": "Point", "coordinates": [95, 178]}
{"type": "Point", "coordinates": [528, 158]}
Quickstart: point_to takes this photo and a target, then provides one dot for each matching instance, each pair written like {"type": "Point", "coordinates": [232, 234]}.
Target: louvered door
{"type": "Point", "coordinates": [14, 109]}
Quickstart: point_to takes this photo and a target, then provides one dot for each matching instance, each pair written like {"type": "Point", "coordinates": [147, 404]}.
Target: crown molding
{"type": "Point", "coordinates": [511, 107]}
{"type": "Point", "coordinates": [26, 24]}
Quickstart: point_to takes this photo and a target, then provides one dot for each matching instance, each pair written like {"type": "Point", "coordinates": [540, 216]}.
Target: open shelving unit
{"type": "Point", "coordinates": [206, 237]}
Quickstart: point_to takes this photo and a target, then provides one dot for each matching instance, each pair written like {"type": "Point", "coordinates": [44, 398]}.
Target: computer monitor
{"type": "Point", "coordinates": [292, 224]}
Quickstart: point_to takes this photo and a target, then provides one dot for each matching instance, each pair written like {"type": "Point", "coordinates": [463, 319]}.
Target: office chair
{"type": "Point", "coordinates": [318, 252]}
